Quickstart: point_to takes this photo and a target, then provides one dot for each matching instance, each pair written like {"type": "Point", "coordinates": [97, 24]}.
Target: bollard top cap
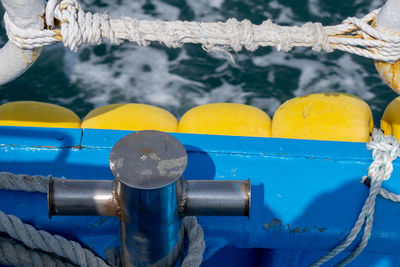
{"type": "Point", "coordinates": [148, 160]}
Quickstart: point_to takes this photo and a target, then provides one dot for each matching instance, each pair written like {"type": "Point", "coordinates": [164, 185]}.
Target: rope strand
{"type": "Point", "coordinates": [354, 35]}
{"type": "Point", "coordinates": [385, 151]}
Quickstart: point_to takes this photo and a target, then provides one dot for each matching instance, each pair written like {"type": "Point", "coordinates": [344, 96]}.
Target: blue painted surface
{"type": "Point", "coordinates": [306, 195]}
{"type": "Point", "coordinates": [35, 136]}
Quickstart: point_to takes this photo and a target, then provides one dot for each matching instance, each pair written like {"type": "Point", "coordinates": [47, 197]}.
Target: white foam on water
{"type": "Point", "coordinates": [207, 10]}
{"type": "Point", "coordinates": [315, 9]}
{"type": "Point", "coordinates": [129, 8]}
{"type": "Point", "coordinates": [373, 4]}
{"type": "Point", "coordinates": [223, 93]}
{"type": "Point", "coordinates": [138, 74]}
{"type": "Point", "coordinates": [268, 104]}
{"type": "Point", "coordinates": [319, 75]}
{"type": "Point", "coordinates": [143, 74]}
{"type": "Point", "coordinates": [286, 14]}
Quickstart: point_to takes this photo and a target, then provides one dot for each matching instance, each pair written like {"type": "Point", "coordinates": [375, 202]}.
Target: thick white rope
{"type": "Point", "coordinates": [354, 35]}
{"type": "Point", "coordinates": [196, 248]}
{"type": "Point", "coordinates": [38, 239]}
{"type": "Point", "coordinates": [382, 192]}
{"type": "Point", "coordinates": [385, 151]}
{"type": "Point", "coordinates": [14, 254]}
{"type": "Point", "coordinates": [23, 182]}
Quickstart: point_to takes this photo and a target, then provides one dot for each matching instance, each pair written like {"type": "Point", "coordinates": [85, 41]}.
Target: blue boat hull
{"type": "Point", "coordinates": [306, 195]}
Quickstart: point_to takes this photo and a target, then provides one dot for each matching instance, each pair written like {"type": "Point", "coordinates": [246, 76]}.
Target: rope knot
{"type": "Point", "coordinates": [354, 35]}
{"type": "Point", "coordinates": [246, 33]}
{"type": "Point", "coordinates": [319, 37]}
{"type": "Point", "coordinates": [385, 151]}
{"type": "Point", "coordinates": [279, 40]}
{"type": "Point", "coordinates": [234, 34]}
{"type": "Point", "coordinates": [77, 26]}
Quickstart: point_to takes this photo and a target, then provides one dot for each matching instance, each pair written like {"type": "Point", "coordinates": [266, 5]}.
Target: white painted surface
{"type": "Point", "coordinates": [389, 16]}
{"type": "Point", "coordinates": [14, 61]}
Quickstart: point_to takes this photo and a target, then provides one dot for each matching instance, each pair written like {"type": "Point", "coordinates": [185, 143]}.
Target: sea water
{"type": "Point", "coordinates": [179, 79]}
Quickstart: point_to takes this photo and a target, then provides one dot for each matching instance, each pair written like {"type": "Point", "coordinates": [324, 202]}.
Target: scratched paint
{"type": "Point", "coordinates": [276, 224]}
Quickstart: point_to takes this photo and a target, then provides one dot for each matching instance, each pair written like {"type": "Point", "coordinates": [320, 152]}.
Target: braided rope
{"type": "Point", "coordinates": [23, 182]}
{"type": "Point", "coordinates": [385, 151]}
{"type": "Point", "coordinates": [39, 239]}
{"type": "Point", "coordinates": [382, 192]}
{"type": "Point", "coordinates": [354, 35]}
{"type": "Point", "coordinates": [389, 195]}
{"type": "Point", "coordinates": [14, 254]}
{"type": "Point", "coordinates": [196, 242]}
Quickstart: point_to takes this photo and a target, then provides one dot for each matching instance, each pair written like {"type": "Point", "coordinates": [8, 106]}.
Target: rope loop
{"type": "Point", "coordinates": [320, 38]}
{"type": "Point", "coordinates": [385, 149]}
{"type": "Point", "coordinates": [79, 27]}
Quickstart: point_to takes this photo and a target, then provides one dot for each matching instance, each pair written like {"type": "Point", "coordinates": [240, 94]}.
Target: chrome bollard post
{"type": "Point", "coordinates": [146, 166]}
{"type": "Point", "coordinates": [150, 197]}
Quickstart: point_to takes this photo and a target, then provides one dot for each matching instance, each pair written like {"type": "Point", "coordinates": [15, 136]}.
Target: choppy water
{"type": "Point", "coordinates": [179, 79]}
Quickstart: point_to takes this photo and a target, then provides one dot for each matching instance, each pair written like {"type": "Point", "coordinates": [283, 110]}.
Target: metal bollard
{"type": "Point", "coordinates": [149, 196]}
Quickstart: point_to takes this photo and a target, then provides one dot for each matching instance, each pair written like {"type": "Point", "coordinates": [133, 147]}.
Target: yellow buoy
{"type": "Point", "coordinates": [324, 116]}
{"type": "Point", "coordinates": [390, 122]}
{"type": "Point", "coordinates": [131, 116]}
{"type": "Point", "coordinates": [226, 119]}
{"type": "Point", "coordinates": [37, 114]}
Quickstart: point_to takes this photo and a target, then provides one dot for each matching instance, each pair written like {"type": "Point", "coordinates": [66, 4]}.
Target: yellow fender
{"type": "Point", "coordinates": [226, 119]}
{"type": "Point", "coordinates": [390, 122]}
{"type": "Point", "coordinates": [324, 116]}
{"type": "Point", "coordinates": [37, 114]}
{"type": "Point", "coordinates": [134, 117]}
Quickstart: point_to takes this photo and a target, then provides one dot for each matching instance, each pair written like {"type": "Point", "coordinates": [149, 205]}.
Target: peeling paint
{"type": "Point", "coordinates": [320, 229]}
{"type": "Point", "coordinates": [118, 163]}
{"type": "Point", "coordinates": [171, 167]}
{"type": "Point", "coordinates": [154, 156]}
{"type": "Point", "coordinates": [274, 223]}
{"type": "Point", "coordinates": [295, 230]}
{"type": "Point", "coordinates": [277, 224]}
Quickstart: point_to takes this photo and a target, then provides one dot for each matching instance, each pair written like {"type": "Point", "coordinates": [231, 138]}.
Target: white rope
{"type": "Point", "coordinates": [196, 248]}
{"type": "Point", "coordinates": [383, 192]}
{"type": "Point", "coordinates": [24, 182]}
{"type": "Point", "coordinates": [39, 239]}
{"type": "Point", "coordinates": [354, 35]}
{"type": "Point", "coordinates": [14, 254]}
{"type": "Point", "coordinates": [385, 151]}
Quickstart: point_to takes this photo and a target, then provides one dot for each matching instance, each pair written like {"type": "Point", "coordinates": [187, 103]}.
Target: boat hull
{"type": "Point", "coordinates": [306, 195]}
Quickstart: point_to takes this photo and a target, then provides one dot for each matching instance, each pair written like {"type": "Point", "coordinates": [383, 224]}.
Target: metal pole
{"type": "Point", "coordinates": [196, 197]}
{"type": "Point", "coordinates": [150, 197]}
{"type": "Point", "coordinates": [146, 166]}
{"type": "Point", "coordinates": [81, 197]}
{"type": "Point", "coordinates": [217, 198]}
